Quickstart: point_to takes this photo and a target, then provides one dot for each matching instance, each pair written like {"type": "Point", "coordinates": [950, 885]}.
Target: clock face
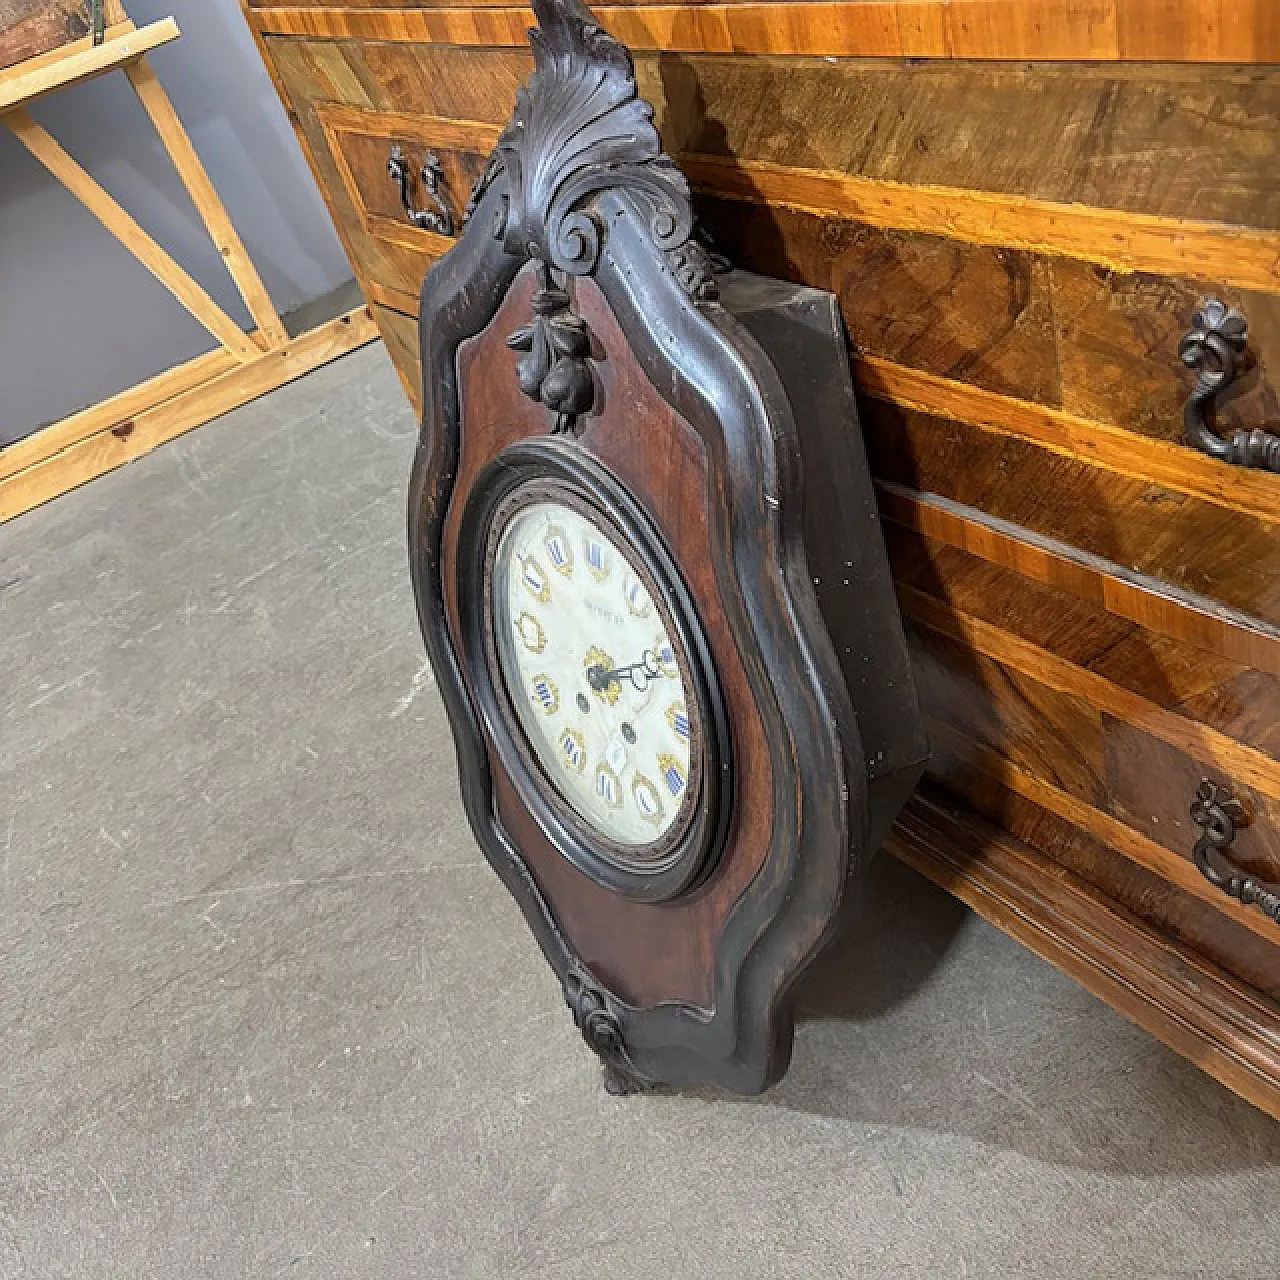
{"type": "Point", "coordinates": [593, 673]}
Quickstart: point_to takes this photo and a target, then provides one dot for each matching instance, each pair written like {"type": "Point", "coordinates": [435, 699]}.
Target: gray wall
{"type": "Point", "coordinates": [80, 318]}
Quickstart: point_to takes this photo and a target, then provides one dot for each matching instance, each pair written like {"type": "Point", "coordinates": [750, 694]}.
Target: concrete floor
{"type": "Point", "coordinates": [265, 1011]}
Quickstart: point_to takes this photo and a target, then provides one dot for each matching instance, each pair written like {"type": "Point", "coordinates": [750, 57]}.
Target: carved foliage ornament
{"type": "Point", "coordinates": [579, 127]}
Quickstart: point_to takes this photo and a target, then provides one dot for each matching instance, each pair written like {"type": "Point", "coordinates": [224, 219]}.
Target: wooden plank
{"type": "Point", "coordinates": [112, 447]}
{"type": "Point", "coordinates": [1112, 238]}
{"type": "Point", "coordinates": [1087, 30]}
{"type": "Point", "coordinates": [1135, 846]}
{"type": "Point", "coordinates": [1224, 1026]}
{"type": "Point", "coordinates": [1138, 598]}
{"type": "Point", "coordinates": [27, 85]}
{"type": "Point", "coordinates": [400, 333]}
{"type": "Point", "coordinates": [1175, 467]}
{"type": "Point", "coordinates": [121, 224]}
{"type": "Point", "coordinates": [177, 143]}
{"type": "Point", "coordinates": [1251, 767]}
{"type": "Point", "coordinates": [1195, 546]}
{"type": "Point", "coordinates": [114, 412]}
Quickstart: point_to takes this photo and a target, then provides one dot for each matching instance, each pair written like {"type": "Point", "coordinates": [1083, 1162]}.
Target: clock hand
{"type": "Point", "coordinates": [649, 668]}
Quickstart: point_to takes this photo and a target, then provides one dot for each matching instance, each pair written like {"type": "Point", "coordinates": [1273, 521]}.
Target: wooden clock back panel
{"type": "Point", "coordinates": [644, 953]}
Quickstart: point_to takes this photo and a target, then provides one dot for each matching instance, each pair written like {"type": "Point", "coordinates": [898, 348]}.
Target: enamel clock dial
{"type": "Point", "coordinates": [590, 667]}
{"type": "Point", "coordinates": [599, 685]}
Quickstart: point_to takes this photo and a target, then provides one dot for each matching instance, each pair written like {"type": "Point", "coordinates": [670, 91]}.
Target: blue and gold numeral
{"type": "Point", "coordinates": [559, 552]}
{"type": "Point", "coordinates": [545, 694]}
{"type": "Point", "coordinates": [574, 749]}
{"type": "Point", "coordinates": [597, 558]}
{"type": "Point", "coordinates": [531, 634]}
{"type": "Point", "coordinates": [608, 788]}
{"type": "Point", "coordinates": [647, 799]}
{"type": "Point", "coordinates": [672, 774]}
{"type": "Point", "coordinates": [637, 598]}
{"type": "Point", "coordinates": [678, 719]}
{"type": "Point", "coordinates": [534, 578]}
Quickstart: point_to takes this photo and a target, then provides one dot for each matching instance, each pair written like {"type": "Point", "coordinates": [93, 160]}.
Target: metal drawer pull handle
{"type": "Point", "coordinates": [439, 219]}
{"type": "Point", "coordinates": [1217, 813]}
{"type": "Point", "coordinates": [1219, 334]}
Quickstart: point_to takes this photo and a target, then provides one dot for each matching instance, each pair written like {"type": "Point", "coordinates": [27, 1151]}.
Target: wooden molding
{"type": "Point", "coordinates": [1242, 31]}
{"type": "Point", "coordinates": [1227, 1028]}
{"type": "Point", "coordinates": [1113, 238]}
{"type": "Point", "coordinates": [1153, 604]}
{"type": "Point", "coordinates": [1176, 467]}
{"type": "Point", "coordinates": [1199, 741]}
{"type": "Point", "coordinates": [109, 434]}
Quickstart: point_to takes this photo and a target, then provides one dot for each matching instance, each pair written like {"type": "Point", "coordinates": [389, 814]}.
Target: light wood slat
{"type": "Point", "coordinates": [1066, 30]}
{"type": "Point", "coordinates": [394, 299]}
{"type": "Point", "coordinates": [1220, 1023]}
{"type": "Point", "coordinates": [121, 224]}
{"type": "Point", "coordinates": [1150, 603]}
{"type": "Point", "coordinates": [1199, 741]}
{"type": "Point", "coordinates": [57, 73]}
{"type": "Point", "coordinates": [1137, 848]}
{"type": "Point", "coordinates": [210, 208]}
{"type": "Point", "coordinates": [1112, 238]}
{"type": "Point", "coordinates": [111, 447]}
{"type": "Point", "coordinates": [113, 32]}
{"type": "Point", "coordinates": [115, 413]}
{"type": "Point", "coordinates": [1177, 467]}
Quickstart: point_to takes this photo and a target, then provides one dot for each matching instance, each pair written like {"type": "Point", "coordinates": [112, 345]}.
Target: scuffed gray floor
{"type": "Point", "coordinates": [265, 1012]}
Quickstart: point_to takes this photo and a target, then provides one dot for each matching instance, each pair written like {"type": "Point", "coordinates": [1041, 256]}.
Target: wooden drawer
{"type": "Point", "coordinates": [361, 143]}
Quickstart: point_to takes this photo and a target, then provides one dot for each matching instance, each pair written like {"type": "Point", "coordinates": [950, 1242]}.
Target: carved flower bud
{"type": "Point", "coordinates": [567, 388]}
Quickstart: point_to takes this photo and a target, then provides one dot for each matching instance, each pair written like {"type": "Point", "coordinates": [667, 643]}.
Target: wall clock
{"type": "Point", "coordinates": [652, 584]}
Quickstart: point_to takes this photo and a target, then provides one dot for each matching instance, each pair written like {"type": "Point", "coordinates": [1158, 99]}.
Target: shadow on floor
{"type": "Point", "coordinates": [916, 1019]}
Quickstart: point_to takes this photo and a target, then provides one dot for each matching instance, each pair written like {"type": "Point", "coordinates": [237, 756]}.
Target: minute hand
{"type": "Point", "coordinates": [639, 673]}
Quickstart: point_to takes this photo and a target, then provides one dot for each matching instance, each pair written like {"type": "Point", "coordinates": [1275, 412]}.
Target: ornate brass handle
{"type": "Point", "coordinates": [439, 219]}
{"type": "Point", "coordinates": [1217, 813]}
{"type": "Point", "coordinates": [1219, 334]}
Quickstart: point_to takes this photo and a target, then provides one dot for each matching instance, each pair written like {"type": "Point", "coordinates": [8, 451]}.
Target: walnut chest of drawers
{"type": "Point", "coordinates": [1022, 205]}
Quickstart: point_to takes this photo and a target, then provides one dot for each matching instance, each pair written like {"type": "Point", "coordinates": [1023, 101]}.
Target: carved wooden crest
{"type": "Point", "coordinates": [577, 349]}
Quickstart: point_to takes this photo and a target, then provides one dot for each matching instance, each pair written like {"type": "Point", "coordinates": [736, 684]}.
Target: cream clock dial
{"type": "Point", "coordinates": [592, 672]}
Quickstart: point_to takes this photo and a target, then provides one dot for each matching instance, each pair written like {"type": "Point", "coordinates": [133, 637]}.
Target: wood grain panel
{"type": "Point", "coordinates": [1166, 672]}
{"type": "Point", "coordinates": [1114, 239]}
{"type": "Point", "coordinates": [1178, 468]}
{"type": "Point", "coordinates": [1194, 545]}
{"type": "Point", "coordinates": [1117, 349]}
{"type": "Point", "coordinates": [1001, 29]}
{"type": "Point", "coordinates": [1151, 786]}
{"type": "Point", "coordinates": [32, 27]}
{"type": "Point", "coordinates": [1193, 921]}
{"type": "Point", "coordinates": [1207, 746]}
{"type": "Point", "coordinates": [400, 333]}
{"type": "Point", "coordinates": [978, 314]}
{"type": "Point", "coordinates": [1196, 620]}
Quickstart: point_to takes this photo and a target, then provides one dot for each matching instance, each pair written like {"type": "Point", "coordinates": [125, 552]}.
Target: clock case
{"type": "Point", "coordinates": [580, 314]}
